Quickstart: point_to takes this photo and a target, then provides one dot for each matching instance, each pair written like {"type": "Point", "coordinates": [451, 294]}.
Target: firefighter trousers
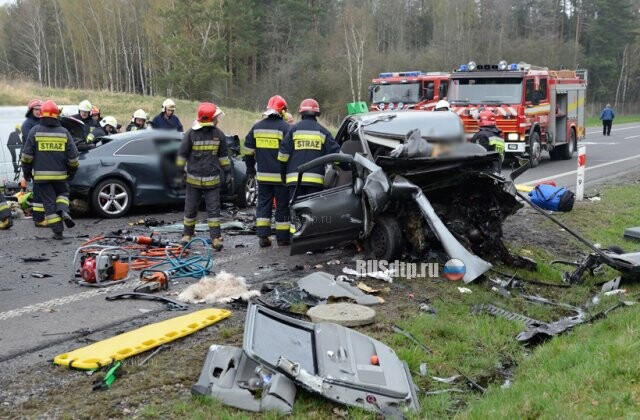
{"type": "Point", "coordinates": [37, 209]}
{"type": "Point", "coordinates": [264, 210]}
{"type": "Point", "coordinates": [5, 211]}
{"type": "Point", "coordinates": [55, 199]}
{"type": "Point", "coordinates": [191, 204]}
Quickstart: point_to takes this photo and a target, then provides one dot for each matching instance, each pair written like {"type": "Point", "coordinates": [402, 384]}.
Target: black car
{"type": "Point", "coordinates": [365, 196]}
{"type": "Point", "coordinates": [138, 168]}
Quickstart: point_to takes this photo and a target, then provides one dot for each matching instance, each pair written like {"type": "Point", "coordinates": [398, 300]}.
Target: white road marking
{"type": "Point", "coordinates": [535, 181]}
{"type": "Point", "coordinates": [632, 137]}
{"type": "Point", "coordinates": [613, 130]}
{"type": "Point", "coordinates": [593, 143]}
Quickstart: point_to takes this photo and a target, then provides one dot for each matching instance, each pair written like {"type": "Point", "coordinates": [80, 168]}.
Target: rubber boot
{"type": "Point", "coordinates": [66, 218]}
{"type": "Point", "coordinates": [216, 244]}
{"type": "Point", "coordinates": [6, 223]}
{"type": "Point", "coordinates": [265, 242]}
{"type": "Point", "coordinates": [185, 239]}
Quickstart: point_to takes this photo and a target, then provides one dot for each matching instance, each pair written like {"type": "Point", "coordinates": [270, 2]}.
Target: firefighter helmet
{"type": "Point", "coordinates": [32, 104]}
{"type": "Point", "coordinates": [442, 105]}
{"type": "Point", "coordinates": [84, 106]}
{"type": "Point", "coordinates": [277, 103]}
{"type": "Point", "coordinates": [139, 113]}
{"type": "Point", "coordinates": [206, 112]}
{"type": "Point", "coordinates": [109, 120]}
{"type": "Point", "coordinates": [486, 118]}
{"type": "Point", "coordinates": [49, 109]}
{"type": "Point", "coordinates": [95, 111]}
{"type": "Point", "coordinates": [309, 107]}
{"type": "Point", "coordinates": [168, 104]}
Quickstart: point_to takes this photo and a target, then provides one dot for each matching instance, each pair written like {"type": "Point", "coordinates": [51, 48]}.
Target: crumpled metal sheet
{"type": "Point", "coordinates": [376, 185]}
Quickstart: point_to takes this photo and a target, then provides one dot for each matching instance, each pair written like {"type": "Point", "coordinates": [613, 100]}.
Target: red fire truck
{"type": "Point", "coordinates": [536, 108]}
{"type": "Point", "coordinates": [407, 90]}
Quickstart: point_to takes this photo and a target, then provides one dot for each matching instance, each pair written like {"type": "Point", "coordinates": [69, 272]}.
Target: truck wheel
{"type": "Point", "coordinates": [385, 240]}
{"type": "Point", "coordinates": [566, 152]}
{"type": "Point", "coordinates": [535, 149]}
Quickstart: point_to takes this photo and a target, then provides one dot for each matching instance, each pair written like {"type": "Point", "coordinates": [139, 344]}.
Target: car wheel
{"type": "Point", "coordinates": [535, 149]}
{"type": "Point", "coordinates": [79, 207]}
{"type": "Point", "coordinates": [111, 198]}
{"type": "Point", "coordinates": [248, 195]}
{"type": "Point", "coordinates": [385, 240]}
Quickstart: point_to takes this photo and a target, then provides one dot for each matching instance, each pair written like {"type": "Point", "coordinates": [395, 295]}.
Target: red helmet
{"type": "Point", "coordinates": [32, 104]}
{"type": "Point", "coordinates": [95, 111]}
{"type": "Point", "coordinates": [309, 106]}
{"type": "Point", "coordinates": [206, 111]}
{"type": "Point", "coordinates": [49, 109]}
{"type": "Point", "coordinates": [277, 103]}
{"type": "Point", "coordinates": [486, 118]}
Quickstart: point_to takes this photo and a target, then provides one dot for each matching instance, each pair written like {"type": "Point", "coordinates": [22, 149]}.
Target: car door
{"type": "Point", "coordinates": [139, 159]}
{"type": "Point", "coordinates": [172, 178]}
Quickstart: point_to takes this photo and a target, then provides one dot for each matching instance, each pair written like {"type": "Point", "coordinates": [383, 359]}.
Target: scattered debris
{"type": "Point", "coordinates": [448, 380]}
{"type": "Point", "coordinates": [105, 382]}
{"type": "Point", "coordinates": [632, 233]}
{"type": "Point", "coordinates": [119, 347]}
{"type": "Point", "coordinates": [200, 227]}
{"type": "Point", "coordinates": [464, 290]}
{"type": "Point", "coordinates": [611, 285]}
{"type": "Point", "coordinates": [425, 307]}
{"type": "Point", "coordinates": [615, 292]}
{"type": "Point", "coordinates": [443, 391]}
{"type": "Point", "coordinates": [380, 275]}
{"type": "Point", "coordinates": [153, 353]}
{"type": "Point", "coordinates": [34, 259]}
{"type": "Point", "coordinates": [172, 304]}
{"type": "Point", "coordinates": [423, 369]}
{"type": "Point", "coordinates": [346, 314]}
{"type": "Point", "coordinates": [326, 286]}
{"type": "Point", "coordinates": [409, 336]}
{"type": "Point", "coordinates": [222, 288]}
{"type": "Point", "coordinates": [39, 275]}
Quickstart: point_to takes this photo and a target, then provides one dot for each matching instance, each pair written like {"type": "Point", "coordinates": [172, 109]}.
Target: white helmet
{"type": "Point", "coordinates": [442, 105]}
{"type": "Point", "coordinates": [140, 114]}
{"type": "Point", "coordinates": [109, 120]}
{"type": "Point", "coordinates": [85, 106]}
{"type": "Point", "coordinates": [168, 104]}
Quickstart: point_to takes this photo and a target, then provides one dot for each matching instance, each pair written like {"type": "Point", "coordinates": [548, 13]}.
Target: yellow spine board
{"type": "Point", "coordinates": [140, 340]}
{"type": "Point", "coordinates": [524, 188]}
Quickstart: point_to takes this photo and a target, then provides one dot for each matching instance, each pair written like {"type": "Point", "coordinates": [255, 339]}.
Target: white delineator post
{"type": "Point", "coordinates": [582, 160]}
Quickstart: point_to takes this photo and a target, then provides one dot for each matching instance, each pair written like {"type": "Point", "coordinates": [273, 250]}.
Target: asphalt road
{"type": "Point", "coordinates": [38, 313]}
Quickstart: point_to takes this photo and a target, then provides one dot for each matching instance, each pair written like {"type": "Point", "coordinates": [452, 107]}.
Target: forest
{"type": "Point", "coordinates": [239, 52]}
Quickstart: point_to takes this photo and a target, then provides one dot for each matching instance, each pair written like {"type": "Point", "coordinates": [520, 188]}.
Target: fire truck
{"type": "Point", "coordinates": [407, 90]}
{"type": "Point", "coordinates": [536, 108]}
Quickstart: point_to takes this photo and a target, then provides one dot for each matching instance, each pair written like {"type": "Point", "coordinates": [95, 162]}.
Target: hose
{"type": "Point", "coordinates": [196, 266]}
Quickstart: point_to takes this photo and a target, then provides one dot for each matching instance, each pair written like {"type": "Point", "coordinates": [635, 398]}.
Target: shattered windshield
{"type": "Point", "coordinates": [404, 92]}
{"type": "Point", "coordinates": [482, 90]}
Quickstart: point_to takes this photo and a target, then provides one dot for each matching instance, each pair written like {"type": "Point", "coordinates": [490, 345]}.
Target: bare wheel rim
{"type": "Point", "coordinates": [113, 199]}
{"type": "Point", "coordinates": [251, 191]}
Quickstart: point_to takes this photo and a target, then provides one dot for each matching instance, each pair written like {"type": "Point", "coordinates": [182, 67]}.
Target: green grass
{"type": "Point", "coordinates": [595, 121]}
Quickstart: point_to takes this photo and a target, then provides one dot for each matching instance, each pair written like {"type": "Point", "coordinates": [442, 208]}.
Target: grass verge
{"type": "Point", "coordinates": [595, 121]}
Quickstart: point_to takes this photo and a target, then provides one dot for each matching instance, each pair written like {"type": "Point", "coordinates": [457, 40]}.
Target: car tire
{"type": "Point", "coordinates": [385, 240]}
{"type": "Point", "coordinates": [535, 149]}
{"type": "Point", "coordinates": [111, 198]}
{"type": "Point", "coordinates": [247, 195]}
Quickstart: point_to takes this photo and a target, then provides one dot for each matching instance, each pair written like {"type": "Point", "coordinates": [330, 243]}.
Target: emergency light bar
{"type": "Point", "coordinates": [502, 66]}
{"type": "Point", "coordinates": [401, 74]}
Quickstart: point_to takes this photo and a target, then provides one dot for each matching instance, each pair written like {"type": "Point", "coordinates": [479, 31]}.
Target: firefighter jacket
{"type": "Point", "coordinates": [263, 141]}
{"type": "Point", "coordinates": [204, 151]}
{"type": "Point", "coordinates": [49, 153]}
{"type": "Point", "coordinates": [96, 133]}
{"type": "Point", "coordinates": [134, 127]}
{"type": "Point", "coordinates": [490, 138]}
{"type": "Point", "coordinates": [159, 122]}
{"type": "Point", "coordinates": [307, 140]}
{"type": "Point", "coordinates": [88, 123]}
{"type": "Point", "coordinates": [27, 125]}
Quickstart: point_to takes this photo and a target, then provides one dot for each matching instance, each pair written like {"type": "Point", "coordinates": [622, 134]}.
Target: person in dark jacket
{"type": "Point", "coordinates": [204, 152]}
{"type": "Point", "coordinates": [167, 120]}
{"type": "Point", "coordinates": [50, 157]}
{"type": "Point", "coordinates": [84, 115]}
{"type": "Point", "coordinates": [95, 118]}
{"type": "Point", "coordinates": [138, 121]}
{"type": "Point", "coordinates": [489, 136]}
{"type": "Point", "coordinates": [32, 117]}
{"type": "Point", "coordinates": [108, 126]}
{"type": "Point", "coordinates": [14, 143]}
{"type": "Point", "coordinates": [261, 146]}
{"type": "Point", "coordinates": [607, 115]}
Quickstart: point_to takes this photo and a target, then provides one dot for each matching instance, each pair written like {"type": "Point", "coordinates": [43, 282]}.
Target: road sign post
{"type": "Point", "coordinates": [582, 160]}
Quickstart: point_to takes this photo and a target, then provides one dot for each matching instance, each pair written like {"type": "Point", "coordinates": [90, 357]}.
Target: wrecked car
{"type": "Point", "coordinates": [137, 168]}
{"type": "Point", "coordinates": [379, 190]}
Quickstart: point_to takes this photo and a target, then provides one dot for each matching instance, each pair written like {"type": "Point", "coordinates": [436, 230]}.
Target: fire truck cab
{"type": "Point", "coordinates": [536, 108]}
{"type": "Point", "coordinates": [407, 90]}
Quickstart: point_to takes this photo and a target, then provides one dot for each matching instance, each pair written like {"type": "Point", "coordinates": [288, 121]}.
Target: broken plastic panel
{"type": "Point", "coordinates": [237, 381]}
{"type": "Point", "coordinates": [331, 360]}
{"type": "Point", "coordinates": [325, 286]}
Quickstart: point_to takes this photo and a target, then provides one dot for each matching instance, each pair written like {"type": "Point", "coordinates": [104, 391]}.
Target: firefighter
{"type": "Point", "coordinates": [32, 117]}
{"type": "Point", "coordinates": [84, 115]}
{"type": "Point", "coordinates": [138, 121]}
{"type": "Point", "coordinates": [108, 126]}
{"type": "Point", "coordinates": [442, 105]}
{"type": "Point", "coordinates": [607, 115]}
{"type": "Point", "coordinates": [14, 143]}
{"type": "Point", "coordinates": [204, 151]}
{"type": "Point", "coordinates": [489, 136]}
{"type": "Point", "coordinates": [307, 140]}
{"type": "Point", "coordinates": [95, 118]}
{"type": "Point", "coordinates": [50, 157]}
{"type": "Point", "coordinates": [167, 120]}
{"type": "Point", "coordinates": [5, 214]}
{"type": "Point", "coordinates": [261, 146]}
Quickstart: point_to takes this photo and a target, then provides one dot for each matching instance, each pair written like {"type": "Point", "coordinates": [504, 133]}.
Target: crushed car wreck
{"type": "Point", "coordinates": [454, 198]}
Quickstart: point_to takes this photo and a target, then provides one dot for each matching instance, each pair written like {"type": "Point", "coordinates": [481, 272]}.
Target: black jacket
{"type": "Point", "coordinates": [204, 151]}
{"type": "Point", "coordinates": [27, 125]}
